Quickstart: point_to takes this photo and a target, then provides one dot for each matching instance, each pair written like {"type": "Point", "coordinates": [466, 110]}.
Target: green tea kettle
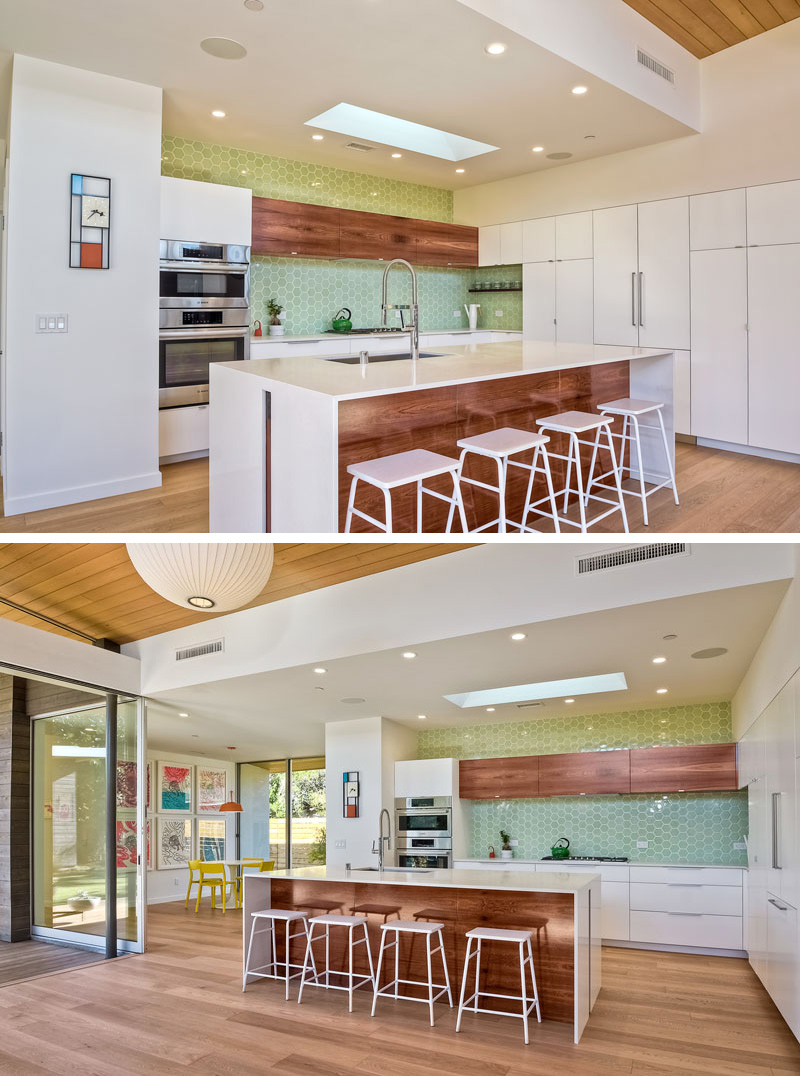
{"type": "Point", "coordinates": [342, 322]}
{"type": "Point", "coordinates": [560, 849]}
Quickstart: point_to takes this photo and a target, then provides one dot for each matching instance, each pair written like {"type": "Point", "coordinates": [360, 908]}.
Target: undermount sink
{"type": "Point", "coordinates": [354, 360]}
{"type": "Point", "coordinates": [395, 870]}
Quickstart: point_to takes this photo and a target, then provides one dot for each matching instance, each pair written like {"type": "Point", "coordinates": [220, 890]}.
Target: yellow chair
{"type": "Point", "coordinates": [260, 864]}
{"type": "Point", "coordinates": [266, 865]}
{"type": "Point", "coordinates": [212, 876]}
{"type": "Point", "coordinates": [194, 865]}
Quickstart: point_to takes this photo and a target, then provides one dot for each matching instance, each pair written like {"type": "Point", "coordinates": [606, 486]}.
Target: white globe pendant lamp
{"type": "Point", "coordinates": [205, 576]}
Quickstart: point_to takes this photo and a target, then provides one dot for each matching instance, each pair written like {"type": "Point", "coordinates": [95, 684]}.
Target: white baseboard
{"type": "Point", "coordinates": [658, 947]}
{"type": "Point", "coordinates": [749, 450]}
{"type": "Point", "coordinates": [58, 498]}
{"type": "Point", "coordinates": [179, 457]}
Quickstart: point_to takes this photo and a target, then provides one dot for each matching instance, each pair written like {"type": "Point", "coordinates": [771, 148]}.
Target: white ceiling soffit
{"type": "Point", "coordinates": [602, 37]}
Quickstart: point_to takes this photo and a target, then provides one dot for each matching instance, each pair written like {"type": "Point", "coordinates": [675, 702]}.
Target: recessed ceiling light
{"type": "Point", "coordinates": [183, 715]}
{"type": "Point", "coordinates": [669, 637]}
{"type": "Point", "coordinates": [422, 717]}
{"type": "Point", "coordinates": [397, 155]}
{"type": "Point", "coordinates": [254, 5]}
{"type": "Point", "coordinates": [218, 114]}
{"type": "Point", "coordinates": [711, 652]}
{"type": "Point", "coordinates": [495, 49]}
{"type": "Point", "coordinates": [518, 635]}
{"type": "Point", "coordinates": [661, 691]}
{"type": "Point", "coordinates": [460, 170]}
{"type": "Point", "coordinates": [560, 156]}
{"type": "Point", "coordinates": [579, 90]}
{"type": "Point", "coordinates": [409, 654]}
{"type": "Point", "coordinates": [352, 701]}
{"type": "Point", "coordinates": [538, 149]}
{"type": "Point", "coordinates": [224, 48]}
{"type": "Point", "coordinates": [317, 138]}
{"type": "Point", "coordinates": [490, 709]}
{"type": "Point", "coordinates": [659, 661]}
{"type": "Point", "coordinates": [319, 670]}
{"type": "Point", "coordinates": [569, 700]}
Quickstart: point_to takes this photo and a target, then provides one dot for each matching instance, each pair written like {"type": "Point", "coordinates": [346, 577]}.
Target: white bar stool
{"type": "Point", "coordinates": [522, 938]}
{"type": "Point", "coordinates": [388, 472]}
{"type": "Point", "coordinates": [630, 411]}
{"type": "Point", "coordinates": [322, 978]}
{"type": "Point", "coordinates": [499, 445]}
{"type": "Point", "coordinates": [402, 926]}
{"type": "Point", "coordinates": [574, 423]}
{"type": "Point", "coordinates": [273, 915]}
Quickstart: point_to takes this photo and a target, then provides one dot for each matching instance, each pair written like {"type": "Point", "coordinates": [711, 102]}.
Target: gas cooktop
{"type": "Point", "coordinates": [592, 859]}
{"type": "Point", "coordinates": [362, 332]}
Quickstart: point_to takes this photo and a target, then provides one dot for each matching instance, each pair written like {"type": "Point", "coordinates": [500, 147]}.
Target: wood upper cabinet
{"type": "Point", "coordinates": [327, 232]}
{"type": "Point", "coordinates": [490, 778]}
{"type": "Point", "coordinates": [585, 771]}
{"type": "Point", "coordinates": [702, 768]}
{"type": "Point", "coordinates": [295, 228]}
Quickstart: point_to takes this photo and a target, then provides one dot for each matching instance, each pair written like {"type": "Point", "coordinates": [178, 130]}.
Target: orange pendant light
{"type": "Point", "coordinates": [231, 806]}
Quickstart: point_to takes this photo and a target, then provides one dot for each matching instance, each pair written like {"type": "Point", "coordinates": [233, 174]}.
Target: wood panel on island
{"type": "Point", "coordinates": [693, 768]}
{"type": "Point", "coordinates": [319, 231]}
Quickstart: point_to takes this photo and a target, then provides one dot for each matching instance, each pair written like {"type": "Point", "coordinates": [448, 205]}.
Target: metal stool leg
{"type": "Point", "coordinates": [464, 976]}
{"type": "Point", "coordinates": [670, 467]}
{"type": "Point", "coordinates": [387, 500]}
{"type": "Point", "coordinates": [419, 506]}
{"type": "Point", "coordinates": [350, 969]}
{"type": "Point", "coordinates": [549, 479]}
{"type": "Point", "coordinates": [444, 965]}
{"type": "Point", "coordinates": [617, 479]}
{"type": "Point", "coordinates": [459, 503]}
{"type": "Point", "coordinates": [524, 988]}
{"type": "Point", "coordinates": [575, 444]}
{"type": "Point", "coordinates": [430, 976]}
{"type": "Point", "coordinates": [533, 982]}
{"type": "Point", "coordinates": [376, 986]}
{"type": "Point", "coordinates": [501, 495]}
{"type": "Point", "coordinates": [640, 465]}
{"type": "Point", "coordinates": [350, 503]}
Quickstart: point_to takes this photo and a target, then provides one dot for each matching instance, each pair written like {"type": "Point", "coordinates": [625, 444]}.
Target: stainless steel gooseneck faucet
{"type": "Point", "coordinates": [377, 846]}
{"type": "Point", "coordinates": [413, 327]}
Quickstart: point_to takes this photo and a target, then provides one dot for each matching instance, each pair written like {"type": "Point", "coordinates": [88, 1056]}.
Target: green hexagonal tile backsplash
{"type": "Point", "coordinates": [679, 827]}
{"type": "Point", "coordinates": [313, 289]}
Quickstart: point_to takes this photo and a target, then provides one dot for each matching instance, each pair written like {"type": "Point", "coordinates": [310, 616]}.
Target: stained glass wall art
{"type": "Point", "coordinates": [90, 222]}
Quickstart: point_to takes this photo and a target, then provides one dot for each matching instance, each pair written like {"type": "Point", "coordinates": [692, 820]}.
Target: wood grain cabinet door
{"type": "Point", "coordinates": [295, 228]}
{"type": "Point", "coordinates": [438, 243]}
{"type": "Point", "coordinates": [701, 768]}
{"type": "Point", "coordinates": [587, 771]}
{"type": "Point", "coordinates": [492, 778]}
{"type": "Point", "coordinates": [375, 235]}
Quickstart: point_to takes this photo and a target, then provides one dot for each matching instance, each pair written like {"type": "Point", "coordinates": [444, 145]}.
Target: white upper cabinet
{"type": "Point", "coordinates": [774, 367]}
{"type": "Point", "coordinates": [574, 236]}
{"type": "Point", "coordinates": [489, 245]}
{"type": "Point", "coordinates": [511, 243]}
{"type": "Point", "coordinates": [539, 240]}
{"type": "Point", "coordinates": [539, 301]}
{"type": "Point", "coordinates": [205, 212]}
{"type": "Point", "coordinates": [751, 754]}
{"type": "Point", "coordinates": [663, 295]}
{"type": "Point", "coordinates": [719, 344]}
{"type": "Point", "coordinates": [773, 213]}
{"type": "Point", "coordinates": [574, 302]}
{"type": "Point", "coordinates": [718, 220]}
{"type": "Point", "coordinates": [615, 276]}
{"type": "Point", "coordinates": [426, 777]}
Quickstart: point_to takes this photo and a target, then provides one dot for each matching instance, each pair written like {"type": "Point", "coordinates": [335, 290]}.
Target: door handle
{"type": "Point", "coordinates": [775, 811]}
{"type": "Point", "coordinates": [774, 903]}
{"type": "Point", "coordinates": [641, 282]}
{"type": "Point", "coordinates": [633, 299]}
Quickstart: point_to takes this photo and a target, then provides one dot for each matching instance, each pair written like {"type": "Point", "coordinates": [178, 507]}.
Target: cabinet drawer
{"type": "Point", "coordinates": [675, 928]}
{"type": "Point", "coordinates": [607, 871]}
{"type": "Point", "coordinates": [182, 429]}
{"type": "Point", "coordinates": [686, 897]}
{"type": "Point", "coordinates": [705, 875]}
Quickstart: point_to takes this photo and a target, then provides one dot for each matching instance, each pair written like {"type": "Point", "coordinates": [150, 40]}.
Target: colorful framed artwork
{"type": "Point", "coordinates": [126, 844]}
{"type": "Point", "coordinates": [350, 790]}
{"type": "Point", "coordinates": [211, 839]}
{"type": "Point", "coordinates": [126, 785]}
{"type": "Point", "coordinates": [174, 788]}
{"type": "Point", "coordinates": [174, 842]}
{"type": "Point", "coordinates": [90, 221]}
{"type": "Point", "coordinates": [212, 788]}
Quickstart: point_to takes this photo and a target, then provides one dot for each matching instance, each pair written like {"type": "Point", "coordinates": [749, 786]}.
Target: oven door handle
{"type": "Point", "coordinates": [242, 268]}
{"type": "Point", "coordinates": [217, 331]}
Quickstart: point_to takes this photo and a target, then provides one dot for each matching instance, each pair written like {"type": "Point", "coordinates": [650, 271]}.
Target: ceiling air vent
{"type": "Point", "coordinates": [528, 705]}
{"type": "Point", "coordinates": [654, 65]}
{"type": "Point", "coordinates": [358, 146]}
{"type": "Point", "coordinates": [216, 646]}
{"type": "Point", "coordinates": [637, 554]}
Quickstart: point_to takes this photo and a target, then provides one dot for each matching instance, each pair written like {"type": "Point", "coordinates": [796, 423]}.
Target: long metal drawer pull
{"type": "Point", "coordinates": [780, 907]}
{"type": "Point", "coordinates": [685, 913]}
{"type": "Point", "coordinates": [633, 298]}
{"type": "Point", "coordinates": [775, 798]}
{"type": "Point", "coordinates": [684, 885]}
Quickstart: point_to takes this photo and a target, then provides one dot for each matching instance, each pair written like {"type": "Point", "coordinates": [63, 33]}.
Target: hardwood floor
{"type": "Point", "coordinates": [180, 1008]}
{"type": "Point", "coordinates": [720, 492]}
{"type": "Point", "coordinates": [28, 960]}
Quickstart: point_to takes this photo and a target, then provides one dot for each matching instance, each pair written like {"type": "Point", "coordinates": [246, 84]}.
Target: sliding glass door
{"type": "Point", "coordinates": [283, 817]}
{"type": "Point", "coordinates": [71, 836]}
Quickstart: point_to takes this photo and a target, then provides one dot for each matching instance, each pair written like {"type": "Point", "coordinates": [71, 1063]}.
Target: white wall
{"type": "Point", "coordinates": [167, 885]}
{"type": "Point", "coordinates": [775, 661]}
{"type": "Point", "coordinates": [750, 94]}
{"type": "Point", "coordinates": [81, 408]}
{"type": "Point", "coordinates": [370, 745]}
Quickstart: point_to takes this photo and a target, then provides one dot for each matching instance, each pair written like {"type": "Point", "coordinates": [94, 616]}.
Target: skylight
{"type": "Point", "coordinates": [390, 131]}
{"type": "Point", "coordinates": [547, 689]}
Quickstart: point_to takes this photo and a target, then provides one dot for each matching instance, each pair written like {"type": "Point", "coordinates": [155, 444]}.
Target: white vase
{"type": "Point", "coordinates": [276, 330]}
{"type": "Point", "coordinates": [506, 853]}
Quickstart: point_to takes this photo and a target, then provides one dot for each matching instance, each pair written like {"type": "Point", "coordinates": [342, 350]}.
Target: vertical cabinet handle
{"type": "Point", "coordinates": [633, 299]}
{"type": "Point", "coordinates": [775, 835]}
{"type": "Point", "coordinates": [641, 309]}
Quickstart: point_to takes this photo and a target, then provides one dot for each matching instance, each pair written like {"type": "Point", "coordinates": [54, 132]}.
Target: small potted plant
{"type": "Point", "coordinates": [506, 852]}
{"type": "Point", "coordinates": [274, 310]}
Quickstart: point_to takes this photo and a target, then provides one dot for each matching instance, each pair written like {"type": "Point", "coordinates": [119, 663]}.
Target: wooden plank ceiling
{"type": "Point", "coordinates": [704, 27]}
{"type": "Point", "coordinates": [94, 587]}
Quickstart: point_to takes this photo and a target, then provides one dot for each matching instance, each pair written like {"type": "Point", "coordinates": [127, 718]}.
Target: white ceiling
{"type": "Point", "coordinates": [280, 713]}
{"type": "Point", "coordinates": [416, 59]}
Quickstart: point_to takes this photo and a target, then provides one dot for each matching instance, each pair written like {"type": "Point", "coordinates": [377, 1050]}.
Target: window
{"type": "Point", "coordinates": [290, 838]}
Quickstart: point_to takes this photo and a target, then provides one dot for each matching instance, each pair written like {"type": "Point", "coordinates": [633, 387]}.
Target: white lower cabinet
{"type": "Point", "coordinates": [686, 897]}
{"type": "Point", "coordinates": [613, 894]}
{"type": "Point", "coordinates": [783, 966]}
{"type": "Point", "coordinates": [182, 430]}
{"type": "Point", "coordinates": [687, 928]}
{"type": "Point", "coordinates": [693, 906]}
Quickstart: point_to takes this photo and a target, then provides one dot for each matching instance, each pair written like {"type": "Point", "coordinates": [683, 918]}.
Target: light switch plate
{"type": "Point", "coordinates": [642, 844]}
{"type": "Point", "coordinates": [498, 313]}
{"type": "Point", "coordinates": [514, 844]}
{"type": "Point", "coordinates": [51, 323]}
{"type": "Point", "coordinates": [739, 846]}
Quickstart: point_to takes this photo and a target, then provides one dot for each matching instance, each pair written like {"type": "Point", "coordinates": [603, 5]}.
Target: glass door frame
{"type": "Point", "coordinates": [95, 941]}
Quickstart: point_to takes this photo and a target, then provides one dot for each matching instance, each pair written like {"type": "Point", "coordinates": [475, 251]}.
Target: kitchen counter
{"type": "Point", "coordinates": [604, 863]}
{"type": "Point", "coordinates": [561, 911]}
{"type": "Point", "coordinates": [284, 430]}
{"type": "Point", "coordinates": [328, 337]}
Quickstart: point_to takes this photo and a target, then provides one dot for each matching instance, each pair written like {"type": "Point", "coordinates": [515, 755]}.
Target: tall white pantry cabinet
{"type": "Point", "coordinates": [715, 277]}
{"type": "Point", "coordinates": [769, 767]}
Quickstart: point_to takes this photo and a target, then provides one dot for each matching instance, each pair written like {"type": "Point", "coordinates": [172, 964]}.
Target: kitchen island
{"type": "Point", "coordinates": [558, 908]}
{"type": "Point", "coordinates": [283, 431]}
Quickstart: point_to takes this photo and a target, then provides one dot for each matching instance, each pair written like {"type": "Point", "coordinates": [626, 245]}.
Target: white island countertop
{"type": "Point", "coordinates": [520, 881]}
{"type": "Point", "coordinates": [452, 365]}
